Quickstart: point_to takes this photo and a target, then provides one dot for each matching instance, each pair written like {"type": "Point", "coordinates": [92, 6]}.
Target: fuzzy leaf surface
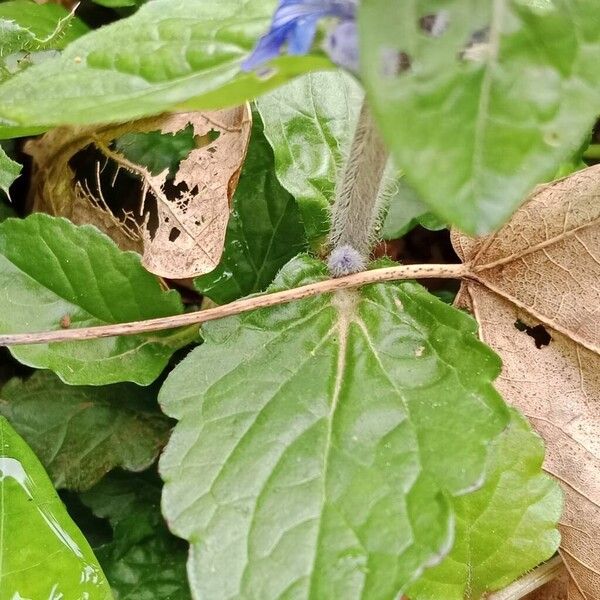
{"type": "Point", "coordinates": [485, 101]}
{"type": "Point", "coordinates": [80, 433]}
{"type": "Point", "coordinates": [319, 442]}
{"type": "Point", "coordinates": [171, 54]}
{"type": "Point", "coordinates": [44, 555]}
{"type": "Point", "coordinates": [54, 274]}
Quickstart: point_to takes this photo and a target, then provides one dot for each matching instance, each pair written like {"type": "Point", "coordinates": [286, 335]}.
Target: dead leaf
{"type": "Point", "coordinates": [535, 291]}
{"type": "Point", "coordinates": [557, 589]}
{"type": "Point", "coordinates": [179, 228]}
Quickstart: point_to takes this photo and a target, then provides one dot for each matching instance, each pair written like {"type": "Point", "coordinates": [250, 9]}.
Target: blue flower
{"type": "Point", "coordinates": [295, 24]}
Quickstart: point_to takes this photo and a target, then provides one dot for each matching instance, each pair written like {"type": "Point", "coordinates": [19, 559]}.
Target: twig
{"type": "Point", "coordinates": [532, 581]}
{"type": "Point", "coordinates": [241, 306]}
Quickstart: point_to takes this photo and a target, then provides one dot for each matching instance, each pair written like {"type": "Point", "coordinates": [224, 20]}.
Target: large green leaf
{"type": "Point", "coordinates": [504, 529]}
{"type": "Point", "coordinates": [169, 54]}
{"type": "Point", "coordinates": [9, 171]}
{"type": "Point", "coordinates": [54, 274]}
{"type": "Point", "coordinates": [81, 433]}
{"type": "Point", "coordinates": [42, 553]}
{"type": "Point", "coordinates": [310, 122]}
{"type": "Point", "coordinates": [265, 230]}
{"type": "Point", "coordinates": [143, 561]}
{"type": "Point", "coordinates": [475, 124]}
{"type": "Point", "coordinates": [319, 442]}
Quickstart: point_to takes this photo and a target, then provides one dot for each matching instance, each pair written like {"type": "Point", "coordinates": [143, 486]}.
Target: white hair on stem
{"type": "Point", "coordinates": [359, 199]}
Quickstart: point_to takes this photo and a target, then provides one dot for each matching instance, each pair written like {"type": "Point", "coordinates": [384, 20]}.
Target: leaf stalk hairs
{"type": "Point", "coordinates": [358, 202]}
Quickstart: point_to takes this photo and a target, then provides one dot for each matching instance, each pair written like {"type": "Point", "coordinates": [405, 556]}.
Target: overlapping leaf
{"type": "Point", "coordinates": [405, 212]}
{"type": "Point", "coordinates": [80, 433]}
{"type": "Point", "coordinates": [482, 98]}
{"type": "Point", "coordinates": [169, 54]}
{"type": "Point", "coordinates": [502, 530]}
{"type": "Point", "coordinates": [181, 233]}
{"type": "Point", "coordinates": [143, 561]}
{"type": "Point", "coordinates": [54, 274]}
{"type": "Point", "coordinates": [265, 230]}
{"type": "Point", "coordinates": [319, 441]}
{"type": "Point", "coordinates": [9, 171]}
{"type": "Point", "coordinates": [310, 122]}
{"type": "Point", "coordinates": [29, 30]}
{"type": "Point", "coordinates": [534, 290]}
{"type": "Point", "coordinates": [43, 554]}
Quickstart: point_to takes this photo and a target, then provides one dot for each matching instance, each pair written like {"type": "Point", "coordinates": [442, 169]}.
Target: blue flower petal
{"type": "Point", "coordinates": [302, 36]}
{"type": "Point", "coordinates": [295, 24]}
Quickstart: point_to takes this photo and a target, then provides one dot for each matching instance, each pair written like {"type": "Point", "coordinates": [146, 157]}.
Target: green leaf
{"type": "Point", "coordinates": [119, 3]}
{"type": "Point", "coordinates": [144, 561]}
{"type": "Point", "coordinates": [168, 55]}
{"type": "Point", "coordinates": [28, 30]}
{"type": "Point", "coordinates": [309, 123]}
{"type": "Point", "coordinates": [157, 151]}
{"type": "Point", "coordinates": [9, 171]}
{"type": "Point", "coordinates": [54, 274]}
{"type": "Point", "coordinates": [81, 433]}
{"type": "Point", "coordinates": [474, 124]}
{"type": "Point", "coordinates": [265, 229]}
{"type": "Point", "coordinates": [43, 554]}
{"type": "Point", "coordinates": [319, 442]}
{"type": "Point", "coordinates": [27, 26]}
{"type": "Point", "coordinates": [504, 529]}
{"type": "Point", "coordinates": [405, 212]}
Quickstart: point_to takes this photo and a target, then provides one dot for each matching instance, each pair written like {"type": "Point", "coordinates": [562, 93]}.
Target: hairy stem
{"type": "Point", "coordinates": [356, 208]}
{"type": "Point", "coordinates": [241, 306]}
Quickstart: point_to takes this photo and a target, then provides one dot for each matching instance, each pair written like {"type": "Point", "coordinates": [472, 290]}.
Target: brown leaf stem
{"type": "Point", "coordinates": [427, 271]}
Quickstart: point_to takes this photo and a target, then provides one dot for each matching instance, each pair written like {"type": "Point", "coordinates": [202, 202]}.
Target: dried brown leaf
{"type": "Point", "coordinates": [542, 270]}
{"type": "Point", "coordinates": [558, 589]}
{"type": "Point", "coordinates": [181, 234]}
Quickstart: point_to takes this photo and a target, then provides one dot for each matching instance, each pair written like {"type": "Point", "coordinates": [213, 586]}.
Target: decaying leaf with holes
{"type": "Point", "coordinates": [539, 277]}
{"type": "Point", "coordinates": [176, 218]}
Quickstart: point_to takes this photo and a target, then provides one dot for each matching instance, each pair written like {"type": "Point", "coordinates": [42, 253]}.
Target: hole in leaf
{"type": "Point", "coordinates": [159, 151]}
{"type": "Point", "coordinates": [174, 234]}
{"type": "Point", "coordinates": [394, 62]}
{"type": "Point", "coordinates": [435, 25]}
{"type": "Point", "coordinates": [476, 48]}
{"type": "Point", "coordinates": [540, 335]}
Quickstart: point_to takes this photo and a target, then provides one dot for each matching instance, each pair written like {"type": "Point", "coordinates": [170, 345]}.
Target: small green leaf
{"type": "Point", "coordinates": [319, 442]}
{"type": "Point", "coordinates": [143, 561]}
{"type": "Point", "coordinates": [54, 274]}
{"type": "Point", "coordinates": [265, 230]}
{"type": "Point", "coordinates": [309, 123]}
{"type": "Point", "coordinates": [504, 529]}
{"type": "Point", "coordinates": [9, 171]}
{"type": "Point", "coordinates": [168, 55]}
{"type": "Point", "coordinates": [405, 212]}
{"type": "Point", "coordinates": [81, 433]}
{"type": "Point", "coordinates": [480, 112]}
{"type": "Point", "coordinates": [36, 26]}
{"type": "Point", "coordinates": [42, 553]}
{"type": "Point", "coordinates": [28, 30]}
